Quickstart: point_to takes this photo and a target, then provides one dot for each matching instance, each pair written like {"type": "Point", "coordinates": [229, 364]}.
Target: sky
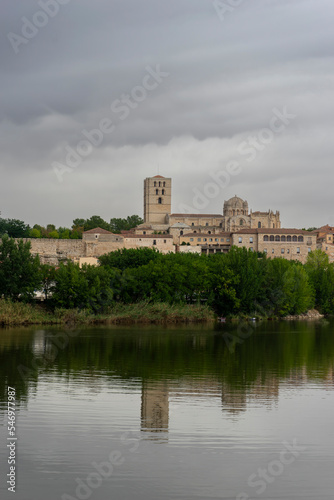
{"type": "Point", "coordinates": [225, 97]}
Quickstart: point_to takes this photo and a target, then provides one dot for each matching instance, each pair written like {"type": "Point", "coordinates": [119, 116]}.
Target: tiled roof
{"type": "Point", "coordinates": [97, 230]}
{"type": "Point", "coordinates": [152, 236]}
{"type": "Point", "coordinates": [272, 231]}
{"type": "Point", "coordinates": [206, 235]}
{"type": "Point", "coordinates": [205, 216]}
{"type": "Point", "coordinates": [158, 177]}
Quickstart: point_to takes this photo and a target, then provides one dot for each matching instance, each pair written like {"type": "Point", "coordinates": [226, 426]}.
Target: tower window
{"type": "Point", "coordinates": [159, 183]}
{"type": "Point", "coordinates": [259, 225]}
{"type": "Point", "coordinates": [155, 183]}
{"type": "Point", "coordinates": [160, 201]}
{"type": "Point", "coordinates": [157, 191]}
{"type": "Point", "coordinates": [164, 184]}
{"type": "Point", "coordinates": [163, 191]}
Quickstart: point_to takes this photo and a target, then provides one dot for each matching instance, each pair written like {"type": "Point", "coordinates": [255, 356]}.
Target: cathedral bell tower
{"type": "Point", "coordinates": [157, 199]}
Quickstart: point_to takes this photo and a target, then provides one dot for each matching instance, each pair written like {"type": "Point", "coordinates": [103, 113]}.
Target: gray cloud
{"type": "Point", "coordinates": [225, 78]}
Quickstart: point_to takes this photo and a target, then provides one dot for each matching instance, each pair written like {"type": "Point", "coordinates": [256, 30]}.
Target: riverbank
{"type": "Point", "coordinates": [16, 314]}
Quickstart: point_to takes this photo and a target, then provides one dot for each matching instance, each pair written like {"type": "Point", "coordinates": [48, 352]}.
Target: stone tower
{"type": "Point", "coordinates": [157, 199]}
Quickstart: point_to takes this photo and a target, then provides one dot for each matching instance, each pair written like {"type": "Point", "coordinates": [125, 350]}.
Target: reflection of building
{"type": "Point", "coordinates": [155, 408]}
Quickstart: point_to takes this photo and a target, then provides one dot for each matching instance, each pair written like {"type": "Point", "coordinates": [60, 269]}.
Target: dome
{"type": "Point", "coordinates": [235, 202]}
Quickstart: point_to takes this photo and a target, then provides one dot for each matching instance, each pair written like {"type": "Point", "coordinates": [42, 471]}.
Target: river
{"type": "Point", "coordinates": [194, 412]}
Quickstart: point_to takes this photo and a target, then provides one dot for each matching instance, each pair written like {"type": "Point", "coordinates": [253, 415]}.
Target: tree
{"type": "Point", "coordinates": [14, 228]}
{"type": "Point", "coordinates": [118, 225]}
{"type": "Point", "coordinates": [96, 221]}
{"type": "Point", "coordinates": [19, 270]}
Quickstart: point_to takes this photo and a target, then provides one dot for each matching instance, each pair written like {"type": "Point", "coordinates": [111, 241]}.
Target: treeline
{"type": "Point", "coordinates": [15, 228]}
{"type": "Point", "coordinates": [240, 282]}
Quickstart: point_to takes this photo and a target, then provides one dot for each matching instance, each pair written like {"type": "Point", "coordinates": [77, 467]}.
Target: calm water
{"type": "Point", "coordinates": [185, 413]}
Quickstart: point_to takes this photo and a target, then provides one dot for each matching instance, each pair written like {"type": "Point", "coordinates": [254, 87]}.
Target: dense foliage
{"type": "Point", "coordinates": [240, 282]}
{"type": "Point", "coordinates": [18, 229]}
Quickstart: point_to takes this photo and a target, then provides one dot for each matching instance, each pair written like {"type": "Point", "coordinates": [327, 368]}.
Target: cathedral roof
{"type": "Point", "coordinates": [235, 202]}
{"type": "Point", "coordinates": [97, 230]}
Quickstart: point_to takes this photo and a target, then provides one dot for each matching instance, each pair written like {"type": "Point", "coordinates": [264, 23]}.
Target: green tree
{"type": "Point", "coordinates": [19, 270]}
{"type": "Point", "coordinates": [35, 233]}
{"type": "Point", "coordinates": [14, 228]}
{"type": "Point", "coordinates": [118, 225]}
{"type": "Point", "coordinates": [96, 221]}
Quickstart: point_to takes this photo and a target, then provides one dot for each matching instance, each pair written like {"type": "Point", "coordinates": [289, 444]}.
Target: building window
{"type": "Point", "coordinates": [160, 201]}
{"type": "Point", "coordinates": [159, 183]}
{"type": "Point", "coordinates": [96, 236]}
{"type": "Point", "coordinates": [294, 238]}
{"type": "Point", "coordinates": [288, 250]}
{"type": "Point", "coordinates": [216, 239]}
{"type": "Point", "coordinates": [277, 238]}
{"type": "Point", "coordinates": [259, 225]}
{"type": "Point", "coordinates": [154, 242]}
{"type": "Point", "coordinates": [181, 233]}
{"type": "Point", "coordinates": [163, 191]}
{"type": "Point", "coordinates": [191, 239]}
{"type": "Point", "coordinates": [164, 184]}
{"type": "Point", "coordinates": [298, 249]}
{"type": "Point", "coordinates": [155, 183]}
{"type": "Point", "coordinates": [272, 251]}
{"type": "Point", "coordinates": [301, 238]}
{"type": "Point", "coordinates": [210, 239]}
{"type": "Point", "coordinates": [251, 249]}
{"type": "Point", "coordinates": [227, 239]}
{"type": "Point", "coordinates": [241, 222]}
{"type": "Point", "coordinates": [199, 239]}
{"type": "Point", "coordinates": [283, 238]}
{"type": "Point", "coordinates": [273, 226]}
{"type": "Point", "coordinates": [209, 232]}
{"type": "Point", "coordinates": [282, 250]}
{"type": "Point", "coordinates": [204, 239]}
{"type": "Point", "coordinates": [251, 240]}
{"type": "Point", "coordinates": [206, 223]}
{"type": "Point", "coordinates": [309, 249]}
{"type": "Point", "coordinates": [240, 239]}
{"type": "Point", "coordinates": [144, 232]}
{"type": "Point", "coordinates": [221, 239]}
{"type": "Point", "coordinates": [272, 238]}
{"type": "Point", "coordinates": [288, 238]}
{"type": "Point", "coordinates": [192, 224]}
{"type": "Point", "coordinates": [157, 191]}
{"type": "Point", "coordinates": [265, 250]}
{"type": "Point", "coordinates": [265, 238]}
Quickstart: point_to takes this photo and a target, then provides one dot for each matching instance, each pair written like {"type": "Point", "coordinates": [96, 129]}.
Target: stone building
{"type": "Point", "coordinates": [158, 216]}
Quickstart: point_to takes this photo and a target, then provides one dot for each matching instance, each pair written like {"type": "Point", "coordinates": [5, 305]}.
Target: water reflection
{"type": "Point", "coordinates": [186, 361]}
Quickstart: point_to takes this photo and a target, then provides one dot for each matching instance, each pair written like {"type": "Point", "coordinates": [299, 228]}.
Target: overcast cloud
{"type": "Point", "coordinates": [222, 75]}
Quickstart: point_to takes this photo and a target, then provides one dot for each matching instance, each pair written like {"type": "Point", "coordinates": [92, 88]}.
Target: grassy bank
{"type": "Point", "coordinates": [16, 313]}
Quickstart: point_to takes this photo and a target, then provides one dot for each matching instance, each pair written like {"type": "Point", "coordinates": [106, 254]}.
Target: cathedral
{"type": "Point", "coordinates": [158, 216]}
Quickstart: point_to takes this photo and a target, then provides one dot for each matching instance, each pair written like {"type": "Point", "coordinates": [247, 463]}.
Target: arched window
{"type": "Point", "coordinates": [265, 238]}
{"type": "Point", "coordinates": [157, 191]}
{"type": "Point", "coordinates": [283, 238]}
{"type": "Point", "coordinates": [164, 184]}
{"type": "Point", "coordinates": [159, 183]}
{"type": "Point", "coordinates": [288, 238]}
{"type": "Point", "coordinates": [163, 191]}
{"type": "Point", "coordinates": [277, 238]}
{"type": "Point", "coordinates": [273, 226]}
{"type": "Point", "coordinates": [300, 238]}
{"type": "Point", "coordinates": [272, 238]}
{"type": "Point", "coordinates": [241, 222]}
{"type": "Point", "coordinates": [294, 238]}
{"type": "Point", "coordinates": [181, 233]}
{"type": "Point", "coordinates": [160, 201]}
{"type": "Point", "coordinates": [259, 224]}
{"type": "Point", "coordinates": [155, 183]}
